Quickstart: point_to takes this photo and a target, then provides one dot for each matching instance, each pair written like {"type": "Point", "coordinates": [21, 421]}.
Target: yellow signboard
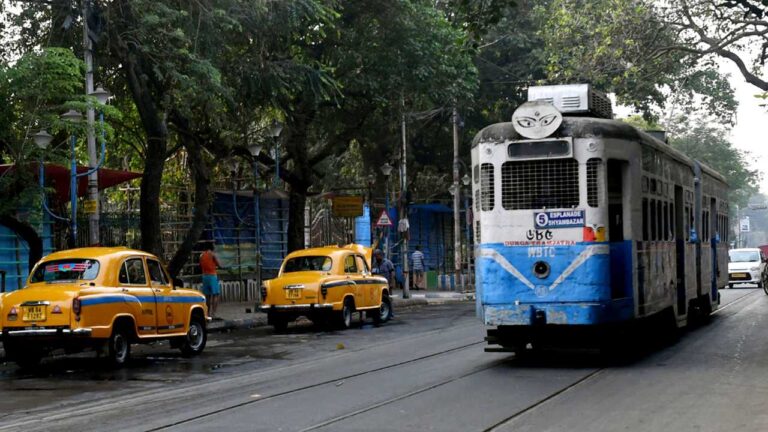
{"type": "Point", "coordinates": [348, 206]}
{"type": "Point", "coordinates": [91, 207]}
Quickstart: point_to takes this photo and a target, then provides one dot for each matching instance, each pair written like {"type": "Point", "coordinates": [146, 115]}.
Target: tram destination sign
{"type": "Point", "coordinates": [559, 219]}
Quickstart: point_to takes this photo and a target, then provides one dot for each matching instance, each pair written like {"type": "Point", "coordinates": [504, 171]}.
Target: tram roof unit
{"type": "Point", "coordinates": [594, 128]}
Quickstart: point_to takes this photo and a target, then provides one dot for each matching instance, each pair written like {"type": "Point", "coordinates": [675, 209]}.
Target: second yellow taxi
{"type": "Point", "coordinates": [326, 283]}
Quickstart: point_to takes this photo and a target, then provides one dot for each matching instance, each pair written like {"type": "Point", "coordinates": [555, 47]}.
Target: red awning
{"type": "Point", "coordinates": [57, 176]}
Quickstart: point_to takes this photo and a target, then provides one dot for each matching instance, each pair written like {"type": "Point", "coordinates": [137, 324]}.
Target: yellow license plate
{"type": "Point", "coordinates": [34, 313]}
{"type": "Point", "coordinates": [293, 293]}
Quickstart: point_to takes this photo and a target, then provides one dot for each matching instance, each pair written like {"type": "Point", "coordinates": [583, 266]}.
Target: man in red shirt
{"type": "Point", "coordinates": [209, 262]}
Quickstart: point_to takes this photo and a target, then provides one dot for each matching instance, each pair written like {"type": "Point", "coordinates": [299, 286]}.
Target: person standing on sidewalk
{"type": "Point", "coordinates": [209, 262]}
{"type": "Point", "coordinates": [418, 266]}
{"type": "Point", "coordinates": [384, 267]}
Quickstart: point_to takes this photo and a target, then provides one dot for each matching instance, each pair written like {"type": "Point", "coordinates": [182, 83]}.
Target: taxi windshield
{"type": "Point", "coordinates": [66, 270]}
{"type": "Point", "coordinates": [744, 256]}
{"type": "Point", "coordinates": [307, 263]}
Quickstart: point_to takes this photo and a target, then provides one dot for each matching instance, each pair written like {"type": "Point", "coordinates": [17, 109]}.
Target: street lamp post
{"type": "Point", "coordinates": [73, 116]}
{"type": "Point", "coordinates": [255, 150]}
{"type": "Point", "coordinates": [456, 192]}
{"type": "Point", "coordinates": [42, 140]}
{"type": "Point", "coordinates": [386, 169]}
{"type": "Point", "coordinates": [274, 131]}
{"type": "Point", "coordinates": [102, 96]}
{"type": "Point", "coordinates": [465, 181]}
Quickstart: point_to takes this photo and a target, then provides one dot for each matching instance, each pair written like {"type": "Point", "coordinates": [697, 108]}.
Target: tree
{"type": "Point", "coordinates": [36, 89]}
{"type": "Point", "coordinates": [708, 143]}
{"type": "Point", "coordinates": [385, 57]}
{"type": "Point", "coordinates": [730, 29]}
{"type": "Point", "coordinates": [625, 47]}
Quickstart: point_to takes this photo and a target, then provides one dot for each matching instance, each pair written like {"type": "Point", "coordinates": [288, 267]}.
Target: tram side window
{"type": "Point", "coordinates": [687, 222]}
{"type": "Point", "coordinates": [665, 224]}
{"type": "Point", "coordinates": [645, 220]}
{"type": "Point", "coordinates": [659, 221]}
{"type": "Point", "coordinates": [705, 227]}
{"type": "Point", "coordinates": [671, 219]}
{"type": "Point", "coordinates": [594, 175]}
{"type": "Point", "coordinates": [691, 221]}
{"type": "Point", "coordinates": [487, 182]}
{"type": "Point", "coordinates": [652, 217]}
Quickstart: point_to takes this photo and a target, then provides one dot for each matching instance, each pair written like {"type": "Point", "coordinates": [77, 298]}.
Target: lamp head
{"type": "Point", "coordinates": [72, 116]}
{"type": "Point", "coordinates": [101, 95]}
{"type": "Point", "coordinates": [42, 139]}
{"type": "Point", "coordinates": [465, 180]}
{"type": "Point", "coordinates": [453, 189]}
{"type": "Point", "coordinates": [386, 169]}
{"type": "Point", "coordinates": [255, 149]}
{"type": "Point", "coordinates": [275, 128]}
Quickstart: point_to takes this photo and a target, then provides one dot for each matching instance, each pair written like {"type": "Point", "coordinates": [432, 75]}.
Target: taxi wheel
{"type": "Point", "coordinates": [385, 310]}
{"type": "Point", "coordinates": [194, 341]}
{"type": "Point", "coordinates": [25, 359]}
{"type": "Point", "coordinates": [119, 346]}
{"type": "Point", "coordinates": [280, 324]}
{"type": "Point", "coordinates": [345, 319]}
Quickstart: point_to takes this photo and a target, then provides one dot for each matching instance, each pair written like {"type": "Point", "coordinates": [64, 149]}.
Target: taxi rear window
{"type": "Point", "coordinates": [307, 263]}
{"type": "Point", "coordinates": [66, 270]}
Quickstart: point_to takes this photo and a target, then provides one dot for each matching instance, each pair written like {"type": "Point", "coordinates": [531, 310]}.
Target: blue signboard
{"type": "Point", "coordinates": [559, 219]}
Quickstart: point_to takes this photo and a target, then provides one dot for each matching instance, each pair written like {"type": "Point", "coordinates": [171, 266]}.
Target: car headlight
{"type": "Point", "coordinates": [754, 269]}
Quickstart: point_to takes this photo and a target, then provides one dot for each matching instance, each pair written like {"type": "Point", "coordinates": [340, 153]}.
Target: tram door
{"type": "Point", "coordinates": [621, 251]}
{"type": "Point", "coordinates": [680, 250]}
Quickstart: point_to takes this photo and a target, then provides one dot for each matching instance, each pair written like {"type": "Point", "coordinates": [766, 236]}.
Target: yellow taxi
{"type": "Point", "coordinates": [99, 298]}
{"type": "Point", "coordinates": [326, 283]}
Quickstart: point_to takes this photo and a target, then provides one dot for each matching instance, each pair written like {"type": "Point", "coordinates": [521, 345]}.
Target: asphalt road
{"type": "Point", "coordinates": [426, 370]}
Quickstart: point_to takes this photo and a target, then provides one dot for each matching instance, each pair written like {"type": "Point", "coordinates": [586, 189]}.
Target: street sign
{"type": "Point", "coordinates": [744, 224]}
{"type": "Point", "coordinates": [91, 207]}
{"type": "Point", "coordinates": [348, 206]}
{"type": "Point", "coordinates": [384, 219]}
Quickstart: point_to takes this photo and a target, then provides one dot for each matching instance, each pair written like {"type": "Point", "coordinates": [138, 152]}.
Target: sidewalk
{"type": "Point", "coordinates": [234, 315]}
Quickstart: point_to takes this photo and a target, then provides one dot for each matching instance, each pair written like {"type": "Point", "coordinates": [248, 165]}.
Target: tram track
{"type": "Point", "coordinates": [43, 415]}
{"type": "Point", "coordinates": [593, 375]}
{"type": "Point", "coordinates": [336, 380]}
{"type": "Point", "coordinates": [200, 388]}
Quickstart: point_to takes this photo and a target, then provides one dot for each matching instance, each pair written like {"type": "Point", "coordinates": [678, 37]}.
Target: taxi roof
{"type": "Point", "coordinates": [95, 252]}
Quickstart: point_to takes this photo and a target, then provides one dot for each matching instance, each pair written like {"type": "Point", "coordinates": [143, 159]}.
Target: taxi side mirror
{"type": "Point", "coordinates": [178, 283]}
{"type": "Point", "coordinates": [2, 284]}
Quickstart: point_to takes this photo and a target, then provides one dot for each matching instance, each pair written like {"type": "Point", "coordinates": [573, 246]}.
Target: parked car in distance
{"type": "Point", "coordinates": [99, 298]}
{"type": "Point", "coordinates": [326, 283]}
{"type": "Point", "coordinates": [747, 265]}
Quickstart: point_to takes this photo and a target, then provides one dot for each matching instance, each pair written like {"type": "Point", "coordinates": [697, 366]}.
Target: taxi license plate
{"type": "Point", "coordinates": [293, 293]}
{"type": "Point", "coordinates": [741, 275]}
{"type": "Point", "coordinates": [34, 313]}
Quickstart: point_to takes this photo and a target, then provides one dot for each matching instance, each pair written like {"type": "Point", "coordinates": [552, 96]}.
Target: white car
{"type": "Point", "coordinates": [746, 266]}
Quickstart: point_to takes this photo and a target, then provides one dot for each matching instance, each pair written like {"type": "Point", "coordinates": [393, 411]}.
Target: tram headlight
{"type": "Point", "coordinates": [541, 269]}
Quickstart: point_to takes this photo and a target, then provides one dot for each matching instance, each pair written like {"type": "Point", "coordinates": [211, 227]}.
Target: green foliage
{"type": "Point", "coordinates": [623, 47]}
{"type": "Point", "coordinates": [36, 89]}
{"type": "Point", "coordinates": [710, 144]}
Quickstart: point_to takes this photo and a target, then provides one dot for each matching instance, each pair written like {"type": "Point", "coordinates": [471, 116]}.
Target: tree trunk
{"type": "Point", "coordinates": [296, 204]}
{"type": "Point", "coordinates": [145, 93]}
{"type": "Point", "coordinates": [149, 201]}
{"type": "Point", "coordinates": [202, 178]}
{"type": "Point", "coordinates": [28, 234]}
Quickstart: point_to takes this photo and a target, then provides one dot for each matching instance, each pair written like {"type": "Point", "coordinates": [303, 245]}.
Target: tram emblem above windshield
{"type": "Point", "coordinates": [536, 119]}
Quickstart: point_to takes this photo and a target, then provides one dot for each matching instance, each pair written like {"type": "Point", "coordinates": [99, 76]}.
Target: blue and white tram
{"type": "Point", "coordinates": [586, 223]}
